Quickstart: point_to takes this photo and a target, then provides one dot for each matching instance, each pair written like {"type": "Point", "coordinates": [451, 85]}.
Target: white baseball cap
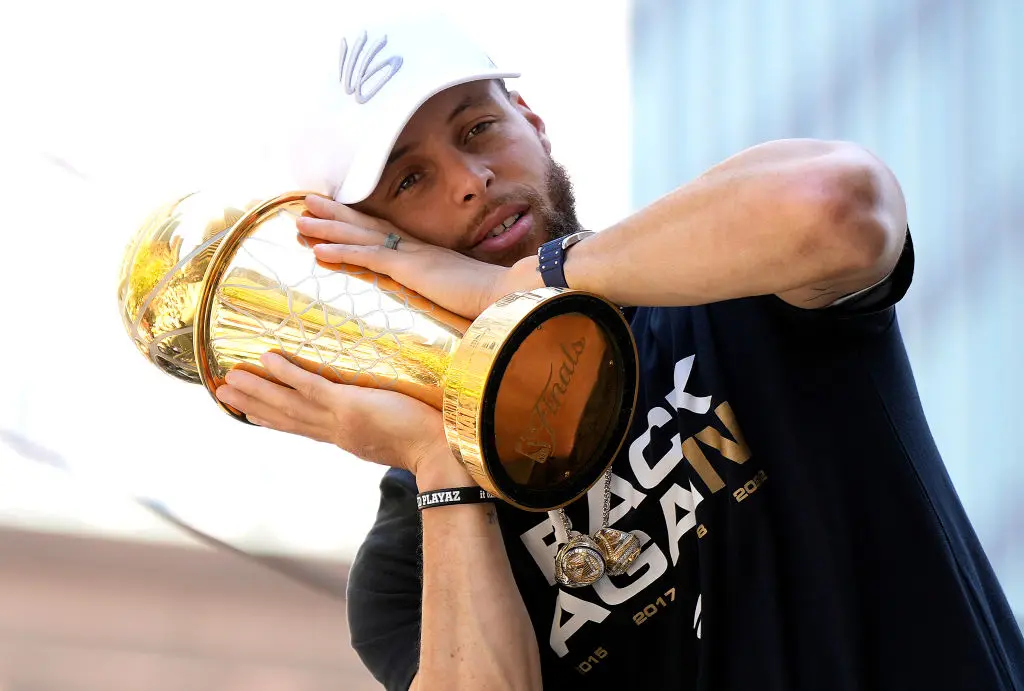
{"type": "Point", "coordinates": [382, 72]}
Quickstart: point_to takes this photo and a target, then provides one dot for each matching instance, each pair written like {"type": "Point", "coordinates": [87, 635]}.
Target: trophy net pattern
{"type": "Point", "coordinates": [343, 322]}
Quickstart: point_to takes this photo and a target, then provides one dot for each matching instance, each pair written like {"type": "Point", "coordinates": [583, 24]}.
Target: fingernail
{"type": "Point", "coordinates": [231, 378]}
{"type": "Point", "coordinates": [254, 420]}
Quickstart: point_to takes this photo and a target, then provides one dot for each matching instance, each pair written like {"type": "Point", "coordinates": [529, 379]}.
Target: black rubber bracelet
{"type": "Point", "coordinates": [453, 495]}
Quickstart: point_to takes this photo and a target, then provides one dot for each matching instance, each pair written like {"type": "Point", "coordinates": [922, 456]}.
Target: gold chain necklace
{"type": "Point", "coordinates": [584, 559]}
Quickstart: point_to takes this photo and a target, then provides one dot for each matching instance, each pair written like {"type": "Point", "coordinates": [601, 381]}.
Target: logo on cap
{"type": "Point", "coordinates": [358, 76]}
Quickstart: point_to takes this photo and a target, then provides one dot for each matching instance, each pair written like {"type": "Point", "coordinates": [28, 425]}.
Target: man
{"type": "Point", "coordinates": [798, 528]}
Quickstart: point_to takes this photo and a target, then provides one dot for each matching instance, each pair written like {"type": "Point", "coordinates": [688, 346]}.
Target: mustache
{"type": "Point", "coordinates": [525, 196]}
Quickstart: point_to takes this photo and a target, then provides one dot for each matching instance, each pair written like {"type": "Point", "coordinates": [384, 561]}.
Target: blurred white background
{"type": "Point", "coordinates": [114, 107]}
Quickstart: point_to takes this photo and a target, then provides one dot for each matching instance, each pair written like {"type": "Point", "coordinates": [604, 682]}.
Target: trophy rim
{"type": "Point", "coordinates": [476, 446]}
{"type": "Point", "coordinates": [214, 272]}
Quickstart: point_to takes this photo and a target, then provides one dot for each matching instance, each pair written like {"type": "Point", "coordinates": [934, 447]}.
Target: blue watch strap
{"type": "Point", "coordinates": [550, 257]}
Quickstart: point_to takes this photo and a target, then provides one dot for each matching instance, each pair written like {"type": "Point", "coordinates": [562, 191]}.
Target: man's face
{"type": "Point", "coordinates": [472, 172]}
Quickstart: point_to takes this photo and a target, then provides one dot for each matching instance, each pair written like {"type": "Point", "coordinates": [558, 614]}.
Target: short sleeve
{"type": "Point", "coordinates": [385, 587]}
{"type": "Point", "coordinates": [869, 311]}
{"type": "Point", "coordinates": [884, 294]}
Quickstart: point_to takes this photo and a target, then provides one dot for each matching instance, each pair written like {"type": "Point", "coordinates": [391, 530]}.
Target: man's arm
{"type": "Point", "coordinates": [809, 221]}
{"type": "Point", "coordinates": [476, 633]}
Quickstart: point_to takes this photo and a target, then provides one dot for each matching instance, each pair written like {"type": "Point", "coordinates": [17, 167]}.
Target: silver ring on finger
{"type": "Point", "coordinates": [392, 240]}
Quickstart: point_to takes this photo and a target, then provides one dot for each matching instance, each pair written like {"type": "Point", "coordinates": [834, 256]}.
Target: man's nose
{"type": "Point", "coordinates": [470, 178]}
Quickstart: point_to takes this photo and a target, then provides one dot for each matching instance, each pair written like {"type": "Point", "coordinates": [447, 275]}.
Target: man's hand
{"type": "Point", "coordinates": [380, 426]}
{"type": "Point", "coordinates": [453, 281]}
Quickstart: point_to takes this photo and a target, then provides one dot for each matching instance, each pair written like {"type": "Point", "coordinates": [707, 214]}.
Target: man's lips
{"type": "Point", "coordinates": [495, 247]}
{"type": "Point", "coordinates": [493, 219]}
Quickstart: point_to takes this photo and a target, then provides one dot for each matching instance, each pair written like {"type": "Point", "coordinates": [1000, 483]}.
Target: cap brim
{"type": "Point", "coordinates": [369, 162]}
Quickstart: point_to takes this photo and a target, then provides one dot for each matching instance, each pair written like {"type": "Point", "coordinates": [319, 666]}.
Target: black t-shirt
{"type": "Point", "coordinates": [799, 528]}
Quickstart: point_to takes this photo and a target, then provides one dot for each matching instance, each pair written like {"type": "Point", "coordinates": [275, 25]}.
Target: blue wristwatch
{"type": "Point", "coordinates": [551, 257]}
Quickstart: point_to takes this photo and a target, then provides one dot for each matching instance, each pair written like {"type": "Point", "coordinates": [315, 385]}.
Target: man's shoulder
{"type": "Point", "coordinates": [398, 481]}
{"type": "Point", "coordinates": [394, 536]}
{"type": "Point", "coordinates": [396, 512]}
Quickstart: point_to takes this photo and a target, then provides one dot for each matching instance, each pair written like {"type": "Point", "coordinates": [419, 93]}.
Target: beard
{"type": "Point", "coordinates": [553, 208]}
{"type": "Point", "coordinates": [558, 211]}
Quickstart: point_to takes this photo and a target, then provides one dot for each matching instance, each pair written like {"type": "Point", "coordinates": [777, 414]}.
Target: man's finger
{"type": "Point", "coordinates": [338, 231]}
{"type": "Point", "coordinates": [312, 387]}
{"type": "Point", "coordinates": [325, 208]}
{"type": "Point", "coordinates": [322, 207]}
{"type": "Point", "coordinates": [290, 426]}
{"type": "Point", "coordinates": [249, 406]}
{"type": "Point", "coordinates": [254, 395]}
{"type": "Point", "coordinates": [373, 257]}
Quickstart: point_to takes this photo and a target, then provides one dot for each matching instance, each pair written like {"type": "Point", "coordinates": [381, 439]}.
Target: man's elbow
{"type": "Point", "coordinates": [857, 213]}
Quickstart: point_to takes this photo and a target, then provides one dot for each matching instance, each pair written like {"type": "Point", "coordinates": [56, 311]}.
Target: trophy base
{"type": "Point", "coordinates": [540, 394]}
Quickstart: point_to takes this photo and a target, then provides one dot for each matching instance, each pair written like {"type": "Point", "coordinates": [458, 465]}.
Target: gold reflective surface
{"type": "Point", "coordinates": [543, 396]}
{"type": "Point", "coordinates": [619, 548]}
{"type": "Point", "coordinates": [266, 291]}
{"type": "Point", "coordinates": [161, 277]}
{"type": "Point", "coordinates": [536, 394]}
{"type": "Point", "coordinates": [470, 372]}
{"type": "Point", "coordinates": [539, 396]}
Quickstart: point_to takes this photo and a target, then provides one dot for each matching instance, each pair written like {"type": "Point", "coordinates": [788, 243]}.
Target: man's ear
{"type": "Point", "coordinates": [535, 120]}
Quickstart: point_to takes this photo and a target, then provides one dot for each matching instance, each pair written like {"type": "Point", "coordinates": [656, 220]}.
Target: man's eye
{"type": "Point", "coordinates": [479, 128]}
{"type": "Point", "coordinates": [407, 182]}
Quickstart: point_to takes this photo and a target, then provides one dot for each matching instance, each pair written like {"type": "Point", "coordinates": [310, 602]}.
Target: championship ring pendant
{"type": "Point", "coordinates": [579, 562]}
{"type": "Point", "coordinates": [619, 549]}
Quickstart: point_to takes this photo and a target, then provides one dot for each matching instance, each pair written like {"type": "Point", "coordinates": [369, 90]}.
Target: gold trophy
{"type": "Point", "coordinates": [537, 393]}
